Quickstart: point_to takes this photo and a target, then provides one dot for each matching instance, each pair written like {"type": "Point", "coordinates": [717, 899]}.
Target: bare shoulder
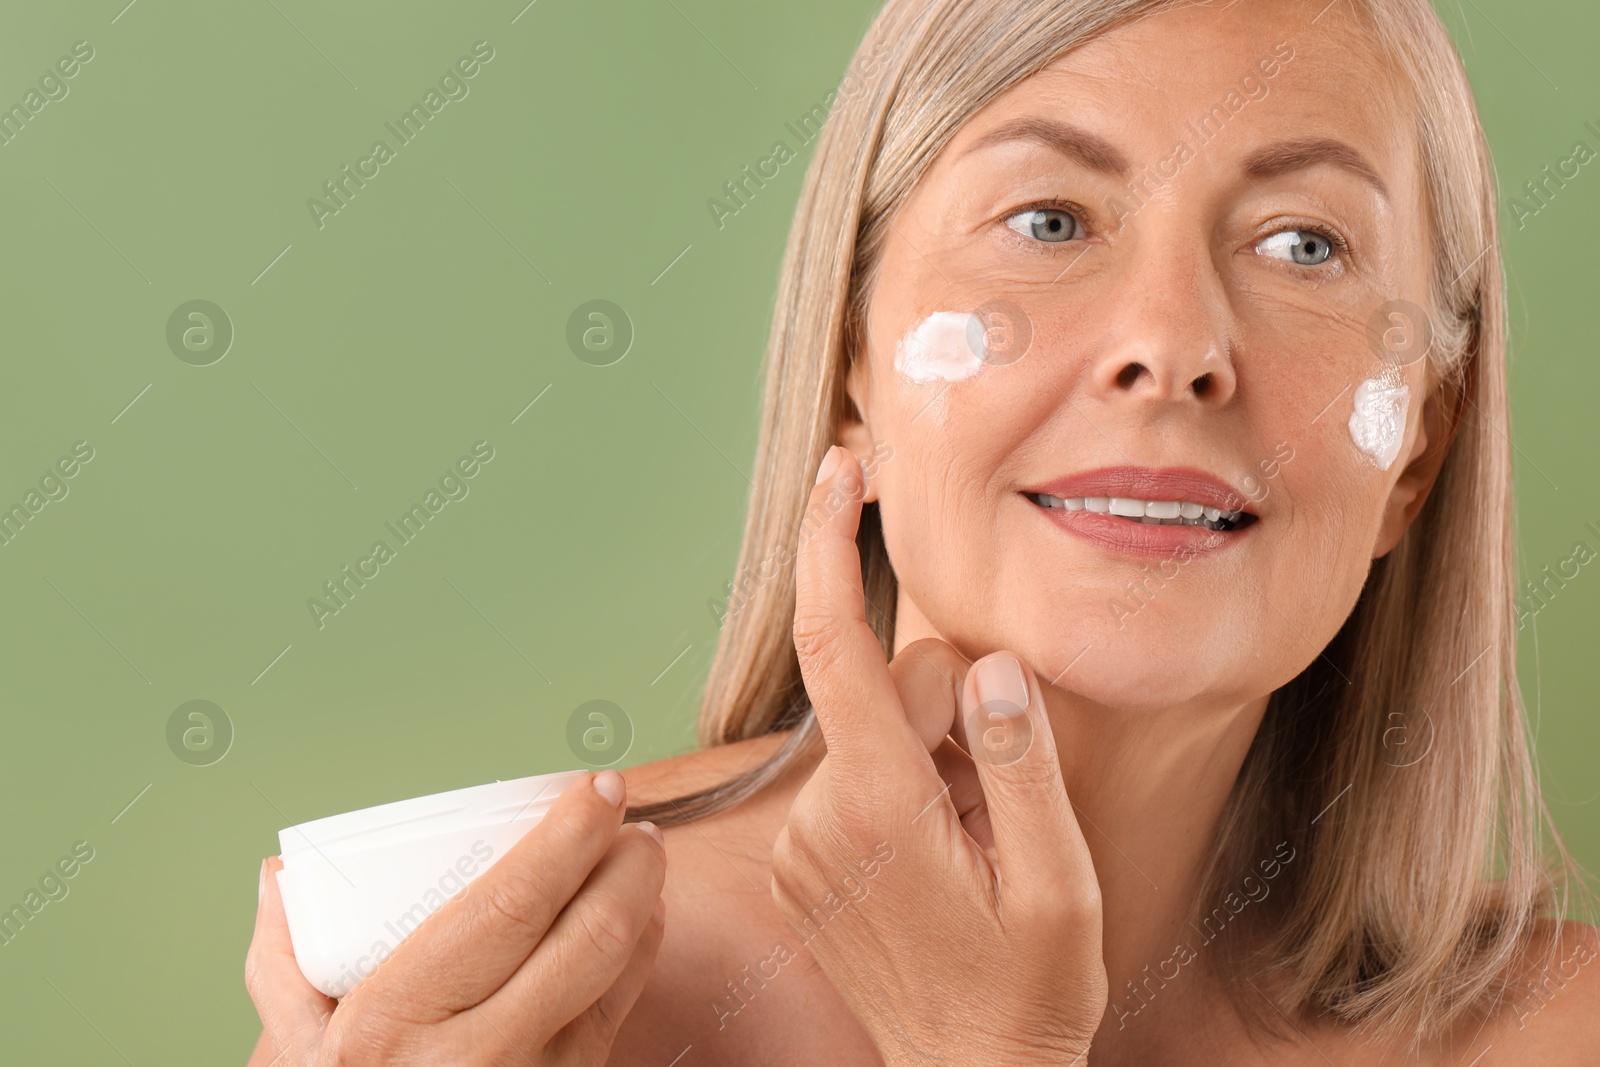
{"type": "Point", "coordinates": [1551, 1013]}
{"type": "Point", "coordinates": [731, 980]}
{"type": "Point", "coordinates": [735, 844]}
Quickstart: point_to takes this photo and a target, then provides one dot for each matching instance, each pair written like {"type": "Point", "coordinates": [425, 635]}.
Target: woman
{"type": "Point", "coordinates": [1136, 683]}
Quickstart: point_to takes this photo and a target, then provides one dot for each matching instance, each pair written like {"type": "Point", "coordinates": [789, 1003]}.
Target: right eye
{"type": "Point", "coordinates": [1048, 224]}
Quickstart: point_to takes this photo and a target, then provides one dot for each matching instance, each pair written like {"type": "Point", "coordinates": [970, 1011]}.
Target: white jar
{"type": "Point", "coordinates": [355, 885]}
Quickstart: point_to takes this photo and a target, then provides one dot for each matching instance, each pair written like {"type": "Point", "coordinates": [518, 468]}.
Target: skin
{"type": "Point", "coordinates": [1020, 900]}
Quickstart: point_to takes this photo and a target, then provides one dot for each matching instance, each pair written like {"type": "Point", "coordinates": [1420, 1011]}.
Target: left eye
{"type": "Point", "coordinates": [1306, 247]}
{"type": "Point", "coordinates": [1045, 224]}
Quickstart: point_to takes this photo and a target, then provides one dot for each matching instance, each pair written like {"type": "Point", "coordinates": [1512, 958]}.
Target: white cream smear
{"type": "Point", "coordinates": [1379, 420]}
{"type": "Point", "coordinates": [940, 348]}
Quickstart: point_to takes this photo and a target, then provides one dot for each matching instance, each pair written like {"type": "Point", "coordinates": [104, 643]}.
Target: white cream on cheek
{"type": "Point", "coordinates": [1378, 422]}
{"type": "Point", "coordinates": [941, 348]}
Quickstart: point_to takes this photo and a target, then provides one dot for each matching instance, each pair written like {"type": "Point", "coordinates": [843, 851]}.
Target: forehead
{"type": "Point", "coordinates": [1292, 78]}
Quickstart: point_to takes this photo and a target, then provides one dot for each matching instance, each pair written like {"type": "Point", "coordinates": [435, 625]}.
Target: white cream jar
{"type": "Point", "coordinates": [355, 885]}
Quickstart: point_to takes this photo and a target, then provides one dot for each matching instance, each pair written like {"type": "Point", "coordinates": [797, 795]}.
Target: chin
{"type": "Point", "coordinates": [1121, 683]}
{"type": "Point", "coordinates": [1151, 663]}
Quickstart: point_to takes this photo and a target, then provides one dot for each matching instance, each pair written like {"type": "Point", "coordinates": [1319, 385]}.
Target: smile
{"type": "Point", "coordinates": [1149, 512]}
{"type": "Point", "coordinates": [1146, 511]}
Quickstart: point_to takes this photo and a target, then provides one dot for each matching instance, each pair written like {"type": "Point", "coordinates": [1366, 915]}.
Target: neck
{"type": "Point", "coordinates": [1149, 788]}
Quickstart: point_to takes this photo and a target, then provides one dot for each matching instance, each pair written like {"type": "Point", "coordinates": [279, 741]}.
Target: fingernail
{"type": "Point", "coordinates": [830, 463]}
{"type": "Point", "coordinates": [1000, 679]}
{"type": "Point", "coordinates": [609, 784]}
{"type": "Point", "coordinates": [653, 830]}
{"type": "Point", "coordinates": [261, 885]}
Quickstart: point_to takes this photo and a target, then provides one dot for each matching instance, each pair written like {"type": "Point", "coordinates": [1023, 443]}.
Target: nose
{"type": "Point", "coordinates": [1166, 337]}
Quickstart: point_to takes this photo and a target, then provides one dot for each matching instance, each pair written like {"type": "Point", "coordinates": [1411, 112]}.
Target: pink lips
{"type": "Point", "coordinates": [1125, 536]}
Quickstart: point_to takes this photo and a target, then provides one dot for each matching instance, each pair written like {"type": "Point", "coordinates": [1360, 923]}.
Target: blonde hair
{"type": "Point", "coordinates": [1414, 904]}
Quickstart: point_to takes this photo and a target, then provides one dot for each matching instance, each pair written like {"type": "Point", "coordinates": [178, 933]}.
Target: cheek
{"type": "Point", "coordinates": [952, 433]}
{"type": "Point", "coordinates": [948, 384]}
{"type": "Point", "coordinates": [1315, 378]}
{"type": "Point", "coordinates": [1377, 422]}
{"type": "Point", "coordinates": [1328, 507]}
{"type": "Point", "coordinates": [937, 492]}
{"type": "Point", "coordinates": [945, 347]}
{"type": "Point", "coordinates": [938, 527]}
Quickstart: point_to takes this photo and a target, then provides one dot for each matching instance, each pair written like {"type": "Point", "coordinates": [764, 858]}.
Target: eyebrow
{"type": "Point", "coordinates": [1074, 142]}
{"type": "Point", "coordinates": [1097, 154]}
{"type": "Point", "coordinates": [1285, 156]}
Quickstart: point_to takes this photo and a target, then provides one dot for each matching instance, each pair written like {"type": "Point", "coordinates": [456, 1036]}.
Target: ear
{"type": "Point", "coordinates": [1441, 419]}
{"type": "Point", "coordinates": [855, 431]}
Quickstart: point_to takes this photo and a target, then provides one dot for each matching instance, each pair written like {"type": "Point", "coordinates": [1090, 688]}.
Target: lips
{"type": "Point", "coordinates": [1146, 510]}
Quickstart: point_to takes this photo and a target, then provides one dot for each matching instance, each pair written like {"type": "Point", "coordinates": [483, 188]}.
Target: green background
{"type": "Point", "coordinates": [371, 354]}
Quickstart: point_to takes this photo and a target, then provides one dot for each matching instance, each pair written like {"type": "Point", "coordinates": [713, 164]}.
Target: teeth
{"type": "Point", "coordinates": [1150, 512]}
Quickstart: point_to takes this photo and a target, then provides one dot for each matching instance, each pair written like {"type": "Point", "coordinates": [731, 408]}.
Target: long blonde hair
{"type": "Point", "coordinates": [1415, 903]}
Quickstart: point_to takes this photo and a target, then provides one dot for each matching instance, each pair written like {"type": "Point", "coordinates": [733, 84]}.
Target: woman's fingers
{"type": "Point", "coordinates": [467, 949]}
{"type": "Point", "coordinates": [957, 768]}
{"type": "Point", "coordinates": [927, 675]}
{"type": "Point", "coordinates": [589, 946]}
{"type": "Point", "coordinates": [588, 1038]}
{"type": "Point", "coordinates": [841, 659]}
{"type": "Point", "coordinates": [292, 1010]}
{"type": "Point", "coordinates": [1040, 849]}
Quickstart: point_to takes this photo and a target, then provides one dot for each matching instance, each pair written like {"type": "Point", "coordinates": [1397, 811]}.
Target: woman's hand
{"type": "Point", "coordinates": [535, 963]}
{"type": "Point", "coordinates": [977, 941]}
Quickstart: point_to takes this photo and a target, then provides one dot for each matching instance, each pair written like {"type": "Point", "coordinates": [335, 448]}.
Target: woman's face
{"type": "Point", "coordinates": [1182, 244]}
